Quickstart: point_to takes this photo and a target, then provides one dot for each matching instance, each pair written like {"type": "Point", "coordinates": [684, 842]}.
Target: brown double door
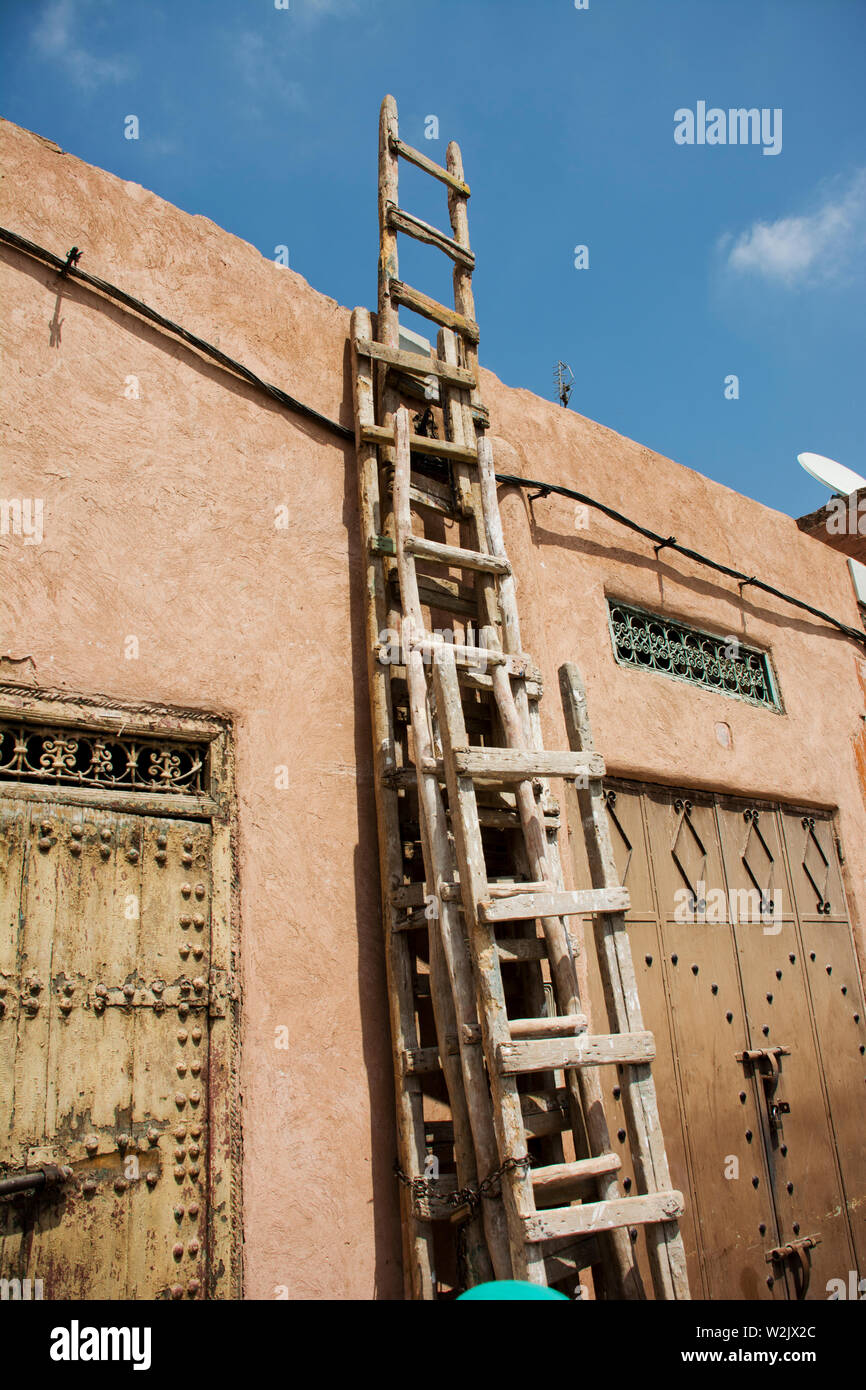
{"type": "Point", "coordinates": [749, 981]}
{"type": "Point", "coordinates": [104, 959]}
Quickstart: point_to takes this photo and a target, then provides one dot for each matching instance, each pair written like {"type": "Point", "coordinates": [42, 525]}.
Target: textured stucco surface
{"type": "Point", "coordinates": [159, 524]}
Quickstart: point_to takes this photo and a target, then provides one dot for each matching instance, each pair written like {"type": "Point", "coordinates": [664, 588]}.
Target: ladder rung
{"type": "Point", "coordinates": [403, 221]}
{"type": "Point", "coordinates": [428, 308]}
{"type": "Point", "coordinates": [544, 1112]}
{"type": "Point", "coordinates": [501, 888]}
{"type": "Point", "coordinates": [455, 555]}
{"type": "Point", "coordinates": [419, 1060]}
{"type": "Point", "coordinates": [467, 659]}
{"type": "Point", "coordinates": [520, 948]}
{"type": "Point", "coordinates": [525, 906]}
{"type": "Point", "coordinates": [415, 363]}
{"type": "Point", "coordinates": [569, 1260]}
{"type": "Point", "coordinates": [408, 895]}
{"type": "Point", "coordinates": [516, 663]}
{"type": "Point", "coordinates": [416, 157]}
{"type": "Point", "coordinates": [420, 444]}
{"type": "Point", "coordinates": [521, 765]}
{"type": "Point", "coordinates": [559, 1026]}
{"type": "Point", "coordinates": [510, 820]}
{"type": "Point", "coordinates": [604, 1216]}
{"type": "Point", "coordinates": [435, 498]}
{"type": "Point", "coordinates": [585, 1050]}
{"type": "Point", "coordinates": [442, 594]}
{"type": "Point", "coordinates": [558, 1179]}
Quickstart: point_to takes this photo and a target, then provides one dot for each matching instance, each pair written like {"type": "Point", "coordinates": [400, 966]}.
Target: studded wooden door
{"type": "Point", "coordinates": [104, 966]}
{"type": "Point", "coordinates": [742, 945]}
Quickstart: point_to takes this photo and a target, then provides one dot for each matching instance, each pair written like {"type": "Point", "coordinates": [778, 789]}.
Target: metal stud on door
{"type": "Point", "coordinates": [91, 902]}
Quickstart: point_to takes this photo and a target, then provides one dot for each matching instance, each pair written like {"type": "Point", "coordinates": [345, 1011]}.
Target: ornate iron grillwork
{"type": "Point", "coordinates": [42, 753]}
{"type": "Point", "coordinates": [714, 663]}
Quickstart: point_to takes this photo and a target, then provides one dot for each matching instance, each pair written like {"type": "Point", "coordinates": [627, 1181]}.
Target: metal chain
{"type": "Point", "coordinates": [464, 1196]}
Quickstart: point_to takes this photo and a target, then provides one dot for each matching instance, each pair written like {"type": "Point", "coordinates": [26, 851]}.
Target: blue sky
{"type": "Point", "coordinates": [705, 261]}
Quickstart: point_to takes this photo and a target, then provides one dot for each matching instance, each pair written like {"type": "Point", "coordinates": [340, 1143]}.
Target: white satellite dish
{"type": "Point", "coordinates": [833, 475]}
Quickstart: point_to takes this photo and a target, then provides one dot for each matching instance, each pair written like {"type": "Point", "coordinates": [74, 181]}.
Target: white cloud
{"type": "Point", "coordinates": [261, 69]}
{"type": "Point", "coordinates": [816, 246]}
{"type": "Point", "coordinates": [56, 37]}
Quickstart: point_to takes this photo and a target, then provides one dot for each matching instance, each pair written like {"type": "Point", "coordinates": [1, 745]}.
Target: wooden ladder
{"type": "Point", "coordinates": [486, 1018]}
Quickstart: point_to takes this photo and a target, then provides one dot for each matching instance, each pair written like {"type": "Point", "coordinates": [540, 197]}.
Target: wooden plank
{"type": "Point", "coordinates": [585, 1050]}
{"type": "Point", "coordinates": [545, 1113]}
{"type": "Point", "coordinates": [556, 1180]}
{"type": "Point", "coordinates": [592, 1217]}
{"type": "Point", "coordinates": [430, 308]}
{"type": "Point", "coordinates": [456, 555]}
{"type": "Point", "coordinates": [420, 444]}
{"type": "Point", "coordinates": [517, 948]}
{"type": "Point", "coordinates": [434, 499]}
{"type": "Point", "coordinates": [507, 1113]}
{"type": "Point", "coordinates": [524, 906]}
{"type": "Point", "coordinates": [420, 1061]}
{"type": "Point", "coordinates": [521, 765]}
{"type": "Point", "coordinates": [509, 820]}
{"type": "Point", "coordinates": [411, 1145]}
{"type": "Point", "coordinates": [414, 362]}
{"type": "Point", "coordinates": [403, 221]}
{"type": "Point", "coordinates": [566, 1261]}
{"type": "Point", "coordinates": [441, 594]}
{"type": "Point", "coordinates": [559, 1026]}
{"type": "Point", "coordinates": [415, 157]}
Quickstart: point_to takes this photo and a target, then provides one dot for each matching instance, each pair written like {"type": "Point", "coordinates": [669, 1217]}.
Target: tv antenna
{"type": "Point", "coordinates": [563, 378]}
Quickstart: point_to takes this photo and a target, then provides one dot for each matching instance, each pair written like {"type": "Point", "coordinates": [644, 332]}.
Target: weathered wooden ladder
{"type": "Point", "coordinates": [484, 1023]}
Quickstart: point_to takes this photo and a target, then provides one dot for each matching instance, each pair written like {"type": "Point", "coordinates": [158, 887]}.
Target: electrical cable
{"type": "Point", "coordinates": [69, 268]}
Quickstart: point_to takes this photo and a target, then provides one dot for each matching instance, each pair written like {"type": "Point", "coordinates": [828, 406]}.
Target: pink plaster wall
{"type": "Point", "coordinates": [159, 523]}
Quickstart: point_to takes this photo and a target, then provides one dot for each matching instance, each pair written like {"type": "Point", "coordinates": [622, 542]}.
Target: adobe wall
{"type": "Point", "coordinates": [159, 523]}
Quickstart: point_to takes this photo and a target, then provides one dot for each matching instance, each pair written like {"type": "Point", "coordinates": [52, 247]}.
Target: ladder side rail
{"type": "Point", "coordinates": [447, 930]}
{"type": "Point", "coordinates": [664, 1241]}
{"type": "Point", "coordinates": [528, 1260]}
{"type": "Point", "coordinates": [419, 1268]}
{"type": "Point", "coordinates": [584, 1086]}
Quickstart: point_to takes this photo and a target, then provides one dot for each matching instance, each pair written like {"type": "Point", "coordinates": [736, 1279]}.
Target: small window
{"type": "Point", "coordinates": [655, 643]}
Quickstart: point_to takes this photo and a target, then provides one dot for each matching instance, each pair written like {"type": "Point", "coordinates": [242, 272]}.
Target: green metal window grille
{"type": "Point", "coordinates": [653, 643]}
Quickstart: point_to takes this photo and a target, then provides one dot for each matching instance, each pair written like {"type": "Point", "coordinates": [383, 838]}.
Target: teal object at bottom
{"type": "Point", "coordinates": [510, 1289]}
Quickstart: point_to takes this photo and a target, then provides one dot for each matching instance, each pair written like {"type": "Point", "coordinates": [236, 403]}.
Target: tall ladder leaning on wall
{"type": "Point", "coordinates": [504, 1156]}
